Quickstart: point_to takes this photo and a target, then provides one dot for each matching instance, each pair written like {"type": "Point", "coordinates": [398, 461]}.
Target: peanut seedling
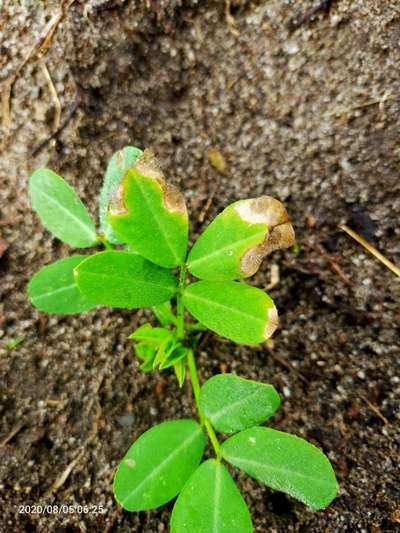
{"type": "Point", "coordinates": [144, 229]}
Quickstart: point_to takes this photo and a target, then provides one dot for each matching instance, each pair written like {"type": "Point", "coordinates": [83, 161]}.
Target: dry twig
{"type": "Point", "coordinates": [371, 249]}
{"type": "Point", "coordinates": [230, 19]}
{"type": "Point", "coordinates": [53, 92]}
{"type": "Point", "coordinates": [55, 134]}
{"type": "Point", "coordinates": [15, 430]}
{"type": "Point", "coordinates": [37, 50]}
{"type": "Point", "coordinates": [375, 410]}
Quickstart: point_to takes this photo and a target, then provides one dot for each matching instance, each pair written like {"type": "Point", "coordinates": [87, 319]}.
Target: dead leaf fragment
{"type": "Point", "coordinates": [272, 323]}
{"type": "Point", "coordinates": [148, 165]}
{"type": "Point", "coordinates": [217, 160]}
{"type": "Point", "coordinates": [280, 234]}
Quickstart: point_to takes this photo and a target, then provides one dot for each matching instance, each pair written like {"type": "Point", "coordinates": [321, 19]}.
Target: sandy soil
{"type": "Point", "coordinates": [303, 104]}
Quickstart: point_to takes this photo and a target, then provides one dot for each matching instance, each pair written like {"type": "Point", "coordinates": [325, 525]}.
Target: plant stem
{"type": "Point", "coordinates": [194, 380]}
{"type": "Point", "coordinates": [196, 391]}
{"type": "Point", "coordinates": [181, 328]}
{"type": "Point", "coordinates": [213, 439]}
{"type": "Point", "coordinates": [180, 309]}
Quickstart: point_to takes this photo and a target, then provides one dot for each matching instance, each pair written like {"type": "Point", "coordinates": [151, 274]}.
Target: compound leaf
{"type": "Point", "coordinates": [125, 280]}
{"type": "Point", "coordinates": [53, 288]}
{"type": "Point", "coordinates": [283, 462]}
{"type": "Point", "coordinates": [60, 209]}
{"type": "Point", "coordinates": [234, 244]}
{"type": "Point", "coordinates": [234, 310]}
{"type": "Point", "coordinates": [158, 464]}
{"type": "Point", "coordinates": [118, 165]}
{"type": "Point", "coordinates": [232, 403]}
{"type": "Point", "coordinates": [210, 502]}
{"type": "Point", "coordinates": [150, 214]}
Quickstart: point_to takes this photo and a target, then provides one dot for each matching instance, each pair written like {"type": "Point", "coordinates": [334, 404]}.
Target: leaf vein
{"type": "Point", "coordinates": [160, 227]}
{"type": "Point", "coordinates": [55, 291]}
{"type": "Point", "coordinates": [231, 309]}
{"type": "Point", "coordinates": [227, 247]}
{"type": "Point", "coordinates": [218, 414]}
{"type": "Point", "coordinates": [80, 223]}
{"type": "Point", "coordinates": [161, 466]}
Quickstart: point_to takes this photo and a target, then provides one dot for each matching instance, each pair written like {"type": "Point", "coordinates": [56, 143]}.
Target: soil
{"type": "Point", "coordinates": [301, 100]}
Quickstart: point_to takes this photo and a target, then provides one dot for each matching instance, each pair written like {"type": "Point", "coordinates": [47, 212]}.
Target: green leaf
{"type": "Point", "coordinates": [180, 372]}
{"type": "Point", "coordinates": [177, 354]}
{"type": "Point", "coordinates": [53, 288]}
{"type": "Point", "coordinates": [145, 351]}
{"type": "Point", "coordinates": [164, 351]}
{"type": "Point", "coordinates": [153, 336]}
{"type": "Point", "coordinates": [164, 314]}
{"type": "Point", "coordinates": [158, 464]}
{"type": "Point", "coordinates": [234, 310]}
{"type": "Point", "coordinates": [233, 404]}
{"type": "Point", "coordinates": [60, 209]}
{"type": "Point", "coordinates": [125, 280]}
{"type": "Point", "coordinates": [210, 502]}
{"type": "Point", "coordinates": [235, 243]}
{"type": "Point", "coordinates": [150, 214]}
{"type": "Point", "coordinates": [118, 165]}
{"type": "Point", "coordinates": [284, 462]}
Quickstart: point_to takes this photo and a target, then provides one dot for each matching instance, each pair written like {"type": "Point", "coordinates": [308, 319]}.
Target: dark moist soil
{"type": "Point", "coordinates": [301, 98]}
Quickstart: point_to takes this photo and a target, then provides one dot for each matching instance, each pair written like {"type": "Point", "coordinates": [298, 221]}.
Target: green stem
{"type": "Point", "coordinates": [213, 439]}
{"type": "Point", "coordinates": [180, 308]}
{"type": "Point", "coordinates": [203, 419]}
{"type": "Point", "coordinates": [194, 380]}
{"type": "Point", "coordinates": [181, 329]}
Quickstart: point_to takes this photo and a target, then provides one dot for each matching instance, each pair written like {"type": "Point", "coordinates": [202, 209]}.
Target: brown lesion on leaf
{"type": "Point", "coordinates": [272, 322]}
{"type": "Point", "coordinates": [280, 233]}
{"type": "Point", "coordinates": [117, 205]}
{"type": "Point", "coordinates": [121, 159]}
{"type": "Point", "coordinates": [148, 165]}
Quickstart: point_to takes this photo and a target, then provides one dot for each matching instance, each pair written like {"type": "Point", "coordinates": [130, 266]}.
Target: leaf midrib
{"type": "Point", "coordinates": [131, 281]}
{"type": "Point", "coordinates": [162, 465]}
{"type": "Point", "coordinates": [262, 466]}
{"type": "Point", "coordinates": [85, 227]}
{"type": "Point", "coordinates": [227, 247]}
{"type": "Point", "coordinates": [55, 291]}
{"type": "Point", "coordinates": [160, 227]}
{"type": "Point", "coordinates": [217, 497]}
{"type": "Point", "coordinates": [231, 309]}
{"type": "Point", "coordinates": [217, 416]}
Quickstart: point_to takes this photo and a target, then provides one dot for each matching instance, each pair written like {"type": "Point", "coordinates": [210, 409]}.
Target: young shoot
{"type": "Point", "coordinates": [144, 230]}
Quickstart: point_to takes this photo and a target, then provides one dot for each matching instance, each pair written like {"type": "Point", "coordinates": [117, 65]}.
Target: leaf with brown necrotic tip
{"type": "Point", "coordinates": [150, 214]}
{"type": "Point", "coordinates": [235, 243]}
